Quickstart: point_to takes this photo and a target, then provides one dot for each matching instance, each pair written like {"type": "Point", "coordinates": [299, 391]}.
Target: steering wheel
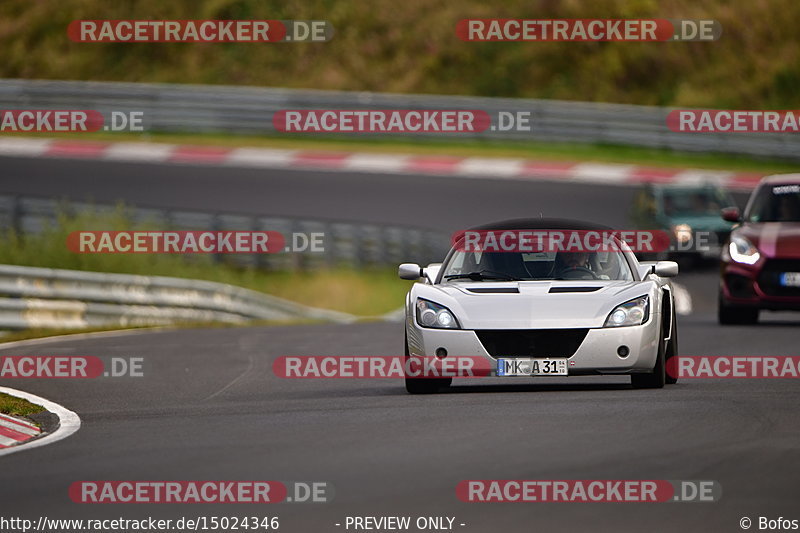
{"type": "Point", "coordinates": [578, 270]}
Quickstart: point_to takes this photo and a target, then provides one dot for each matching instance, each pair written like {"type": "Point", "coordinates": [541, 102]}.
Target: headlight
{"type": "Point", "coordinates": [743, 251]}
{"type": "Point", "coordinates": [431, 315]}
{"type": "Point", "coordinates": [682, 232]}
{"type": "Point", "coordinates": [632, 313]}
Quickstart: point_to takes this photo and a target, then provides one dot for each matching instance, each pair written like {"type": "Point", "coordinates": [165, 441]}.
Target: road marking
{"type": "Point", "coordinates": [20, 426]}
{"type": "Point", "coordinates": [139, 152]}
{"type": "Point", "coordinates": [603, 173]}
{"type": "Point", "coordinates": [16, 437]}
{"type": "Point", "coordinates": [701, 177]}
{"type": "Point", "coordinates": [683, 299]}
{"type": "Point", "coordinates": [24, 146]}
{"type": "Point", "coordinates": [491, 167]}
{"type": "Point", "coordinates": [260, 157]}
{"type": "Point", "coordinates": [69, 422]}
{"type": "Point", "coordinates": [334, 161]}
{"type": "Point", "coordinates": [376, 163]}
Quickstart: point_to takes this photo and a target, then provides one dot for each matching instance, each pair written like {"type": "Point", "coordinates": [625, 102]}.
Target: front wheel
{"type": "Point", "coordinates": [672, 351]}
{"type": "Point", "coordinates": [657, 378]}
{"type": "Point", "coordinates": [424, 385]}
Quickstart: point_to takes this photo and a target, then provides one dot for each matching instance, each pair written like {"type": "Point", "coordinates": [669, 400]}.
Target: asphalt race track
{"type": "Point", "coordinates": [448, 203]}
{"type": "Point", "coordinates": [210, 408]}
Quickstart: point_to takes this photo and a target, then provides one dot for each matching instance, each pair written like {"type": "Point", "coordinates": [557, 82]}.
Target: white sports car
{"type": "Point", "coordinates": [542, 312]}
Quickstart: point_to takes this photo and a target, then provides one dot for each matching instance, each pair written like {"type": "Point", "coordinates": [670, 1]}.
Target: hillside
{"type": "Point", "coordinates": [411, 46]}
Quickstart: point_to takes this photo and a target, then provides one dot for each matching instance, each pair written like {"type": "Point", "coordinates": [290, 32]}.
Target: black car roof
{"type": "Point", "coordinates": [541, 224]}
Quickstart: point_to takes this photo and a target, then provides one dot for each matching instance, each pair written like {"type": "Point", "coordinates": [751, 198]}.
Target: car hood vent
{"type": "Point", "coordinates": [574, 289]}
{"type": "Point", "coordinates": [494, 290]}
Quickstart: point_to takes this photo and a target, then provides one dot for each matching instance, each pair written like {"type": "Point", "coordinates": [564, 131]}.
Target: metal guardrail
{"type": "Point", "coordinates": [70, 299]}
{"type": "Point", "coordinates": [345, 243]}
{"type": "Point", "coordinates": [212, 108]}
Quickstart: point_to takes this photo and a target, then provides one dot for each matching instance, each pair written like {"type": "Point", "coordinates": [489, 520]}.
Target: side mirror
{"type": "Point", "coordinates": [731, 214]}
{"type": "Point", "coordinates": [666, 269]}
{"type": "Point", "coordinates": [410, 271]}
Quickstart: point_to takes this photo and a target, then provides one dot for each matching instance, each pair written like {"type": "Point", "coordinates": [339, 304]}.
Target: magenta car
{"type": "Point", "coordinates": [760, 266]}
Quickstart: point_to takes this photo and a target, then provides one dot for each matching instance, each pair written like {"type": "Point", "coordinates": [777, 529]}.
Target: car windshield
{"type": "Point", "coordinates": [536, 266]}
{"type": "Point", "coordinates": [776, 203]}
{"type": "Point", "coordinates": [695, 202]}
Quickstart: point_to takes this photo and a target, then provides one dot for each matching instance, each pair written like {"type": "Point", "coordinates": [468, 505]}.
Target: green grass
{"type": "Point", "coordinates": [13, 406]}
{"type": "Point", "coordinates": [412, 47]}
{"type": "Point", "coordinates": [365, 292]}
{"type": "Point", "coordinates": [466, 148]}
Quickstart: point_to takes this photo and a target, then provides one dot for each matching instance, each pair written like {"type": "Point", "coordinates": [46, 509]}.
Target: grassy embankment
{"type": "Point", "coordinates": [11, 405]}
{"type": "Point", "coordinates": [414, 49]}
{"type": "Point", "coordinates": [363, 292]}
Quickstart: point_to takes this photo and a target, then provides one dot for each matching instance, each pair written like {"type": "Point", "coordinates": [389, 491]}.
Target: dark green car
{"type": "Point", "coordinates": [689, 214]}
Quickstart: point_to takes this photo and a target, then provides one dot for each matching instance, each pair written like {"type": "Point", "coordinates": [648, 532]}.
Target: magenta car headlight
{"type": "Point", "coordinates": [742, 250]}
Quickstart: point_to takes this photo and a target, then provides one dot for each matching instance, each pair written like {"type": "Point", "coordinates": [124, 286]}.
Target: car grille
{"type": "Point", "coordinates": [531, 342]}
{"type": "Point", "coordinates": [770, 277]}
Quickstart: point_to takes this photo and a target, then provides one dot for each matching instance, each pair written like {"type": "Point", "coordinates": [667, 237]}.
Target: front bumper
{"type": "Point", "coordinates": [596, 354]}
{"type": "Point", "coordinates": [756, 286]}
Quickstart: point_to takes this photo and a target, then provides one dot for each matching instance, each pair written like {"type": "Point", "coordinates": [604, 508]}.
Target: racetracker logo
{"type": "Point", "coordinates": [733, 121]}
{"type": "Point", "coordinates": [68, 366]}
{"type": "Point", "coordinates": [50, 120]}
{"type": "Point", "coordinates": [177, 492]}
{"type": "Point", "coordinates": [532, 241]}
{"type": "Point", "coordinates": [734, 367]}
{"type": "Point", "coordinates": [199, 31]}
{"type": "Point", "coordinates": [365, 367]}
{"type": "Point", "coordinates": [588, 30]}
{"type": "Point", "coordinates": [588, 490]}
{"type": "Point", "coordinates": [69, 120]}
{"type": "Point", "coordinates": [191, 242]}
{"type": "Point", "coordinates": [382, 121]}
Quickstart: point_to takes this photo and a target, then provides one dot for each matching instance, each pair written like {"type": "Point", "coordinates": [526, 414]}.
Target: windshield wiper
{"type": "Point", "coordinates": [482, 275]}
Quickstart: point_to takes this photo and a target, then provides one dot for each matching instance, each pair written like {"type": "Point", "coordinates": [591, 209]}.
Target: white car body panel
{"type": "Point", "coordinates": [534, 307]}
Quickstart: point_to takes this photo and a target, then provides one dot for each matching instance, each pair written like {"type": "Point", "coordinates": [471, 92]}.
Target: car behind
{"type": "Point", "coordinates": [760, 264]}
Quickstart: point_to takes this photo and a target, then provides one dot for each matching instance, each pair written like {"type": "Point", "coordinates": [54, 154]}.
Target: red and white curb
{"type": "Point", "coordinates": [68, 423]}
{"type": "Point", "coordinates": [466, 167]}
{"type": "Point", "coordinates": [15, 431]}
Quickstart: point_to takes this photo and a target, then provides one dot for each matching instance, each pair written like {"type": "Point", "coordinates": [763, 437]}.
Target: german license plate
{"type": "Point", "coordinates": [790, 279]}
{"type": "Point", "coordinates": [517, 366]}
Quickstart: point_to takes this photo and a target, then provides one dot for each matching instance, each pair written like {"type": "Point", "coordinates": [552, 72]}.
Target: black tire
{"type": "Point", "coordinates": [671, 350]}
{"type": "Point", "coordinates": [657, 378]}
{"type": "Point", "coordinates": [730, 314]}
{"type": "Point", "coordinates": [424, 385]}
